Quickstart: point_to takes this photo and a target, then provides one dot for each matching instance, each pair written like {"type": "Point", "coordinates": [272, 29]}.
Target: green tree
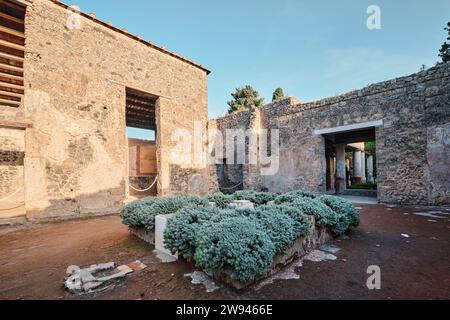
{"type": "Point", "coordinates": [244, 99]}
{"type": "Point", "coordinates": [444, 53]}
{"type": "Point", "coordinates": [278, 95]}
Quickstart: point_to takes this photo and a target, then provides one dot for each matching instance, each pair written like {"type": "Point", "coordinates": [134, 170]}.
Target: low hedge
{"type": "Point", "coordinates": [142, 213]}
{"type": "Point", "coordinates": [243, 240]}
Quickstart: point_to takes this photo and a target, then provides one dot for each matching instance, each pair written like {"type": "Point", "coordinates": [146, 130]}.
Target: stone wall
{"type": "Point", "coordinates": [75, 82]}
{"type": "Point", "coordinates": [11, 173]}
{"type": "Point", "coordinates": [412, 144]}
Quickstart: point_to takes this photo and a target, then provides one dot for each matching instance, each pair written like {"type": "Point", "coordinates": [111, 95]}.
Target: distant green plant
{"type": "Point", "coordinates": [237, 243]}
{"type": "Point", "coordinates": [444, 52]}
{"type": "Point", "coordinates": [278, 95]}
{"type": "Point", "coordinates": [244, 98]}
{"type": "Point", "coordinates": [364, 186]}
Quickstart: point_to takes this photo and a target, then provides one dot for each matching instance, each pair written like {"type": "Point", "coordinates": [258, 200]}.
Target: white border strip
{"type": "Point", "coordinates": [349, 127]}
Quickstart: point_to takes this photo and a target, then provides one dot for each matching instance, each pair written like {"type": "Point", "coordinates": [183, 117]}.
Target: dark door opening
{"type": "Point", "coordinates": [142, 144]}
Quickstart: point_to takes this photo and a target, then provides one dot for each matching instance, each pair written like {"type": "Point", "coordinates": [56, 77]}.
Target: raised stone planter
{"type": "Point", "coordinates": [143, 234]}
{"type": "Point", "coordinates": [301, 247]}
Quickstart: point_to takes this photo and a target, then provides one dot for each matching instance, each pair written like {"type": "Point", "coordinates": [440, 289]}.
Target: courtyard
{"type": "Point", "coordinates": [409, 244]}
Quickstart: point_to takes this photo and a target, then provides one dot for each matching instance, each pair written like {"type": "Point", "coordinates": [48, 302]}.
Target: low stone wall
{"type": "Point", "coordinates": [143, 234]}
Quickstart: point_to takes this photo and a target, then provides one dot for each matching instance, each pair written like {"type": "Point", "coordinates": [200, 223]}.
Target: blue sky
{"type": "Point", "coordinates": [311, 48]}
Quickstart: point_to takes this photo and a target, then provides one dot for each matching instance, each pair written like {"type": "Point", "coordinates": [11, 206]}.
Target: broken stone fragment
{"type": "Point", "coordinates": [137, 266]}
{"type": "Point", "coordinates": [72, 269]}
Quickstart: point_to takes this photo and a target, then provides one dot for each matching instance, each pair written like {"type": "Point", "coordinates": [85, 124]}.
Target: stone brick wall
{"type": "Point", "coordinates": [412, 145]}
{"type": "Point", "coordinates": [75, 159]}
{"type": "Point", "coordinates": [11, 173]}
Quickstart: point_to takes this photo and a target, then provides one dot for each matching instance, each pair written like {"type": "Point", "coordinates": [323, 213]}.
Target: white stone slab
{"type": "Point", "coordinates": [160, 227]}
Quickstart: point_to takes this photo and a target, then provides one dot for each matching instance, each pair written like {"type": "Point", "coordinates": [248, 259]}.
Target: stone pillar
{"type": "Point", "coordinates": [370, 177]}
{"type": "Point", "coordinates": [341, 183]}
{"type": "Point", "coordinates": [363, 167]}
{"type": "Point", "coordinates": [357, 172]}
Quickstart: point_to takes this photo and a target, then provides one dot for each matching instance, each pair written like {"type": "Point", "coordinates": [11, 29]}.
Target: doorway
{"type": "Point", "coordinates": [141, 143]}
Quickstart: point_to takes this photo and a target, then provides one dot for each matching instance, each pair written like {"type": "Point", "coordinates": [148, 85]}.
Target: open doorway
{"type": "Point", "coordinates": [142, 146]}
{"type": "Point", "coordinates": [351, 159]}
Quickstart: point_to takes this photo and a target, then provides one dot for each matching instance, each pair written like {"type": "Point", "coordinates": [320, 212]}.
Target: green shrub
{"type": "Point", "coordinates": [342, 207]}
{"type": "Point", "coordinates": [302, 224]}
{"type": "Point", "coordinates": [324, 216]}
{"type": "Point", "coordinates": [221, 200]}
{"type": "Point", "coordinates": [293, 196]}
{"type": "Point", "coordinates": [135, 214]}
{"type": "Point", "coordinates": [278, 225]}
{"type": "Point", "coordinates": [237, 243]}
{"type": "Point", "coordinates": [258, 198]}
{"type": "Point", "coordinates": [182, 229]}
{"type": "Point", "coordinates": [142, 213]}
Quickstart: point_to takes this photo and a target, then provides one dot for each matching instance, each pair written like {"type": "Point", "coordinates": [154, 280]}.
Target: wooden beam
{"type": "Point", "coordinates": [133, 125]}
{"type": "Point", "coordinates": [11, 18]}
{"type": "Point", "coordinates": [140, 120]}
{"type": "Point", "coordinates": [15, 4]}
{"type": "Point", "coordinates": [12, 32]}
{"type": "Point", "coordinates": [11, 45]}
{"type": "Point", "coordinates": [5, 55]}
{"type": "Point", "coordinates": [143, 103]}
{"type": "Point", "coordinates": [17, 103]}
{"type": "Point", "coordinates": [10, 94]}
{"type": "Point", "coordinates": [10, 67]}
{"type": "Point", "coordinates": [11, 76]}
{"type": "Point", "coordinates": [11, 86]}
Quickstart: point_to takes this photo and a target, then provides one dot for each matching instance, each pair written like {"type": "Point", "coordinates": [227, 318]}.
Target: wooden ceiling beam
{"type": "Point", "coordinates": [8, 56]}
{"type": "Point", "coordinates": [10, 94]}
{"type": "Point", "coordinates": [11, 18]}
{"type": "Point", "coordinates": [13, 102]}
{"type": "Point", "coordinates": [11, 45]}
{"type": "Point", "coordinates": [12, 32]}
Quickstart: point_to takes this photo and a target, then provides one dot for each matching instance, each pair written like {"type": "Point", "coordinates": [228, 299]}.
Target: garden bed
{"type": "Point", "coordinates": [240, 247]}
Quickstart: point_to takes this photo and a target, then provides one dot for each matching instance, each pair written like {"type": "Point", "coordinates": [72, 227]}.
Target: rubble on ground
{"type": "Point", "coordinates": [97, 277]}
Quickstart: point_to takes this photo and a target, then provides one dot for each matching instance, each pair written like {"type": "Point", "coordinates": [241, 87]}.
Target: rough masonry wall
{"type": "Point", "coordinates": [412, 145]}
{"type": "Point", "coordinates": [75, 97]}
{"type": "Point", "coordinates": [11, 173]}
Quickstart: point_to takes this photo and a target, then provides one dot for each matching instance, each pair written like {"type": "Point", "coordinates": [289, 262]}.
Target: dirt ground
{"type": "Point", "coordinates": [34, 260]}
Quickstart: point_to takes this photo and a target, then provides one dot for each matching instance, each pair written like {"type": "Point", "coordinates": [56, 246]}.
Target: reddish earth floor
{"type": "Point", "coordinates": [34, 260]}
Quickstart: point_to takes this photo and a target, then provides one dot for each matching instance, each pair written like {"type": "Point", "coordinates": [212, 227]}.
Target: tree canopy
{"type": "Point", "coordinates": [278, 95]}
{"type": "Point", "coordinates": [444, 53]}
{"type": "Point", "coordinates": [244, 98]}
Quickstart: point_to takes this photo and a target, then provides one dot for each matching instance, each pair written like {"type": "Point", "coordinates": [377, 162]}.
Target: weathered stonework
{"type": "Point", "coordinates": [412, 144]}
{"type": "Point", "coordinates": [75, 160]}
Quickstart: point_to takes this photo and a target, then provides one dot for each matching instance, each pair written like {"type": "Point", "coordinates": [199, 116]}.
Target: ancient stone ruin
{"type": "Point", "coordinates": [69, 91]}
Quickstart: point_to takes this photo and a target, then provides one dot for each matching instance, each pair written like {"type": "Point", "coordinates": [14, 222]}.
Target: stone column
{"type": "Point", "coordinates": [357, 172]}
{"type": "Point", "coordinates": [370, 177]}
{"type": "Point", "coordinates": [341, 184]}
{"type": "Point", "coordinates": [363, 167]}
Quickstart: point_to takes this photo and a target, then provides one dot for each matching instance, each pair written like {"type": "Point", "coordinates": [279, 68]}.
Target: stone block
{"type": "Point", "coordinates": [160, 227]}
